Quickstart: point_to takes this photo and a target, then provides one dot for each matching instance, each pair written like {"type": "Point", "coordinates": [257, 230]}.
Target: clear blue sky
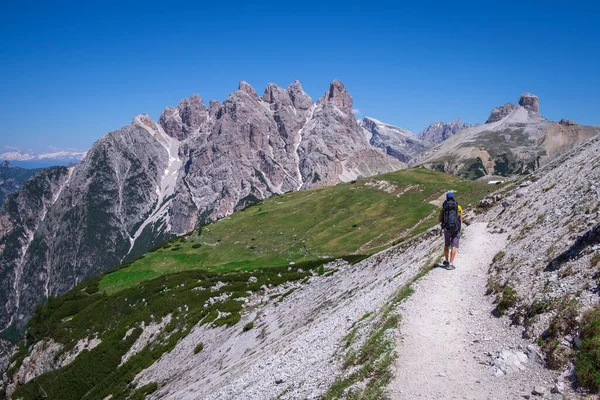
{"type": "Point", "coordinates": [70, 72]}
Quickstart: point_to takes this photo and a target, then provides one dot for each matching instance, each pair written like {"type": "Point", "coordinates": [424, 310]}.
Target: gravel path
{"type": "Point", "coordinates": [449, 338]}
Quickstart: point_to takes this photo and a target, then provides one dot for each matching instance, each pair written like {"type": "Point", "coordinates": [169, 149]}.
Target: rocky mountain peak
{"type": "Point", "coordinates": [276, 95]}
{"type": "Point", "coordinates": [5, 164]}
{"type": "Point", "coordinates": [192, 111]}
{"type": "Point", "coordinates": [246, 88]}
{"type": "Point", "coordinates": [530, 101]}
{"type": "Point", "coordinates": [143, 119]}
{"type": "Point", "coordinates": [527, 100]}
{"type": "Point", "coordinates": [181, 121]}
{"type": "Point", "coordinates": [299, 98]}
{"type": "Point", "coordinates": [437, 132]}
{"type": "Point", "coordinates": [500, 112]}
{"type": "Point", "coordinates": [396, 142]}
{"type": "Point", "coordinates": [213, 107]}
{"type": "Point", "coordinates": [338, 95]}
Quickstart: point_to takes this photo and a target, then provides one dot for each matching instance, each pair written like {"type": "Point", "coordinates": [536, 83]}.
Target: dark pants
{"type": "Point", "coordinates": [451, 239]}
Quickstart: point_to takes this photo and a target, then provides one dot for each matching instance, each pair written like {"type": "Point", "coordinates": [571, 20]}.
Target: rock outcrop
{"type": "Point", "coordinates": [12, 178]}
{"type": "Point", "coordinates": [397, 142]}
{"type": "Point", "coordinates": [530, 102]}
{"type": "Point", "coordinates": [440, 131]}
{"type": "Point", "coordinates": [20, 218]}
{"type": "Point", "coordinates": [501, 112]}
{"type": "Point", "coordinates": [147, 181]}
{"type": "Point", "coordinates": [516, 139]}
{"type": "Point", "coordinates": [551, 260]}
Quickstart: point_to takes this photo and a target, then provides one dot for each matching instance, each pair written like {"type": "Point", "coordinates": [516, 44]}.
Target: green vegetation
{"type": "Point", "coordinates": [371, 362]}
{"type": "Point", "coordinates": [563, 323]}
{"type": "Point", "coordinates": [177, 278]}
{"type": "Point", "coordinates": [144, 391]}
{"type": "Point", "coordinates": [473, 169]}
{"type": "Point", "coordinates": [595, 260]}
{"type": "Point", "coordinates": [498, 257]}
{"type": "Point", "coordinates": [508, 299]}
{"type": "Point", "coordinates": [305, 225]}
{"type": "Point", "coordinates": [117, 321]}
{"type": "Point", "coordinates": [588, 356]}
{"type": "Point", "coordinates": [248, 326]}
{"type": "Point", "coordinates": [199, 347]}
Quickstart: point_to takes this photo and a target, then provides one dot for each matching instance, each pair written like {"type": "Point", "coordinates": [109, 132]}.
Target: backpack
{"type": "Point", "coordinates": [451, 220]}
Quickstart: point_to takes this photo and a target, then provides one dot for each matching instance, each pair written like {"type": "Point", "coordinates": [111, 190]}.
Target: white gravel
{"type": "Point", "coordinates": [449, 337]}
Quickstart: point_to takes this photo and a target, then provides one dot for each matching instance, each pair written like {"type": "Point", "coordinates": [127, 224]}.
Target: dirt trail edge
{"type": "Point", "coordinates": [448, 336]}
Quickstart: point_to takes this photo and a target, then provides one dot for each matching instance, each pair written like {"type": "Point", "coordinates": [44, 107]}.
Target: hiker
{"type": "Point", "coordinates": [451, 220]}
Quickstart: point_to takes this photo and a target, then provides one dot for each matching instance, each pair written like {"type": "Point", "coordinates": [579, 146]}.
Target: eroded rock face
{"type": "Point", "coordinates": [68, 225]}
{"type": "Point", "coordinates": [185, 119]}
{"type": "Point", "coordinates": [20, 218]}
{"type": "Point", "coordinates": [397, 142]}
{"type": "Point", "coordinates": [333, 146]}
{"type": "Point", "coordinates": [516, 139]}
{"type": "Point", "coordinates": [12, 178]}
{"type": "Point", "coordinates": [147, 181]}
{"type": "Point", "coordinates": [500, 112]}
{"type": "Point", "coordinates": [440, 131]}
{"type": "Point", "coordinates": [530, 102]}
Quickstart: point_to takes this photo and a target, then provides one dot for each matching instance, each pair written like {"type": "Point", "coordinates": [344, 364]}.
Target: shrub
{"type": "Point", "coordinates": [508, 298]}
{"type": "Point", "coordinates": [563, 323]}
{"type": "Point", "coordinates": [588, 357]}
{"type": "Point", "coordinates": [141, 393]}
{"type": "Point", "coordinates": [196, 245]}
{"type": "Point", "coordinates": [595, 260]}
{"type": "Point", "coordinates": [248, 326]}
{"type": "Point", "coordinates": [199, 347]}
{"type": "Point", "coordinates": [499, 256]}
{"type": "Point", "coordinates": [321, 270]}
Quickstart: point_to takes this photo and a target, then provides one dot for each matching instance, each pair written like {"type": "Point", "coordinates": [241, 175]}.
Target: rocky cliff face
{"type": "Point", "coordinates": [397, 142]}
{"type": "Point", "coordinates": [530, 102]}
{"type": "Point", "coordinates": [515, 139]}
{"type": "Point", "coordinates": [12, 178]}
{"type": "Point", "coordinates": [149, 180]}
{"type": "Point", "coordinates": [551, 261]}
{"type": "Point", "coordinates": [20, 218]}
{"type": "Point", "coordinates": [440, 131]}
{"type": "Point", "coordinates": [501, 112]}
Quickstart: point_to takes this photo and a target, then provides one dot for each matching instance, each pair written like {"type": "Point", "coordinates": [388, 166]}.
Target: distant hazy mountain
{"type": "Point", "coordinates": [12, 178]}
{"type": "Point", "coordinates": [149, 180]}
{"type": "Point", "coordinates": [397, 142]}
{"type": "Point", "coordinates": [43, 160]}
{"type": "Point", "coordinates": [440, 131]}
{"type": "Point", "coordinates": [516, 139]}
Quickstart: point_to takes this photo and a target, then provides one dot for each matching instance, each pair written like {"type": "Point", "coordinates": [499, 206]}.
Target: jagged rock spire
{"type": "Point", "coordinates": [338, 95]}
{"type": "Point", "coordinates": [299, 98]}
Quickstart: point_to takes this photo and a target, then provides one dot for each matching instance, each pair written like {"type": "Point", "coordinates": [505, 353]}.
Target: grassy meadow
{"type": "Point", "coordinates": [361, 217]}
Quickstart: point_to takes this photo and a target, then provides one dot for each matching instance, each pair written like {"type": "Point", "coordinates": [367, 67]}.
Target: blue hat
{"type": "Point", "coordinates": [450, 195]}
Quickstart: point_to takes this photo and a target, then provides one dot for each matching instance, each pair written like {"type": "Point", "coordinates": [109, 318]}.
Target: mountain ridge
{"type": "Point", "coordinates": [516, 139]}
{"type": "Point", "coordinates": [150, 180]}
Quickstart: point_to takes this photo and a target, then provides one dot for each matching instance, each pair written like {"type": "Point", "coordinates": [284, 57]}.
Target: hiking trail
{"type": "Point", "coordinates": [448, 335]}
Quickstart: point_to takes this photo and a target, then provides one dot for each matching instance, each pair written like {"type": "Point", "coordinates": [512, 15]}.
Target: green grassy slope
{"type": "Point", "coordinates": [325, 222]}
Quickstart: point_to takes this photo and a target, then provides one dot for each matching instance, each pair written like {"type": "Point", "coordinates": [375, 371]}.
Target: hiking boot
{"type": "Point", "coordinates": [450, 266]}
{"type": "Point", "coordinates": [445, 263]}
